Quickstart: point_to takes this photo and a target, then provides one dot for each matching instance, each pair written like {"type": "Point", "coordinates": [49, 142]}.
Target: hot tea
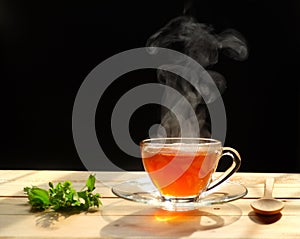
{"type": "Point", "coordinates": [182, 168]}
{"type": "Point", "coordinates": [177, 172]}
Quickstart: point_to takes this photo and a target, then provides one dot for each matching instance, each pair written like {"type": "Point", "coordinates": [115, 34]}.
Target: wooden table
{"type": "Point", "coordinates": [119, 218]}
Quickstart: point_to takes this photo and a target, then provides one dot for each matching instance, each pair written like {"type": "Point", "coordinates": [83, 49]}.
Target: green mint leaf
{"type": "Point", "coordinates": [38, 197]}
{"type": "Point", "coordinates": [84, 200]}
{"type": "Point", "coordinates": [90, 183]}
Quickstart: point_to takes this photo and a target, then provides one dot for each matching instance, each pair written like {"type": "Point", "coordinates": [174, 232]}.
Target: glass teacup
{"type": "Point", "coordinates": [182, 168]}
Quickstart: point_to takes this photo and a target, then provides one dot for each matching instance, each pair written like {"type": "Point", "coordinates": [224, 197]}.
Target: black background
{"type": "Point", "coordinates": [48, 48]}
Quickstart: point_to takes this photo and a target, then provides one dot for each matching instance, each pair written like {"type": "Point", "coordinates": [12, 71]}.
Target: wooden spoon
{"type": "Point", "coordinates": [267, 205]}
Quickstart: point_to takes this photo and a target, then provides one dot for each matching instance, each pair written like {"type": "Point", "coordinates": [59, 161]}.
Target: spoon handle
{"type": "Point", "coordinates": [269, 184]}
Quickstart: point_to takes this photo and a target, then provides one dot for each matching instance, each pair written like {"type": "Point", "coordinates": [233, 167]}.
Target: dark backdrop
{"type": "Point", "coordinates": [48, 48]}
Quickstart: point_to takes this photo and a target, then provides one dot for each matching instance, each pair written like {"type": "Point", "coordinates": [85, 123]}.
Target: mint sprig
{"type": "Point", "coordinates": [63, 197]}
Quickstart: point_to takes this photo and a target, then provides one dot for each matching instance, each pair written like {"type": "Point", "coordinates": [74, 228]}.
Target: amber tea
{"type": "Point", "coordinates": [182, 168]}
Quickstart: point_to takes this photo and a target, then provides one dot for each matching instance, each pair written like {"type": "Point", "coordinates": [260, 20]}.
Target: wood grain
{"type": "Point", "coordinates": [120, 218]}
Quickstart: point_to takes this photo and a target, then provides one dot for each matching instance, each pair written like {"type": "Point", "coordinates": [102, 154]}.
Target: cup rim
{"type": "Point", "coordinates": [206, 141]}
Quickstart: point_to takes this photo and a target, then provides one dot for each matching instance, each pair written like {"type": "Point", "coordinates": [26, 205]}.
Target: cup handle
{"type": "Point", "coordinates": [236, 163]}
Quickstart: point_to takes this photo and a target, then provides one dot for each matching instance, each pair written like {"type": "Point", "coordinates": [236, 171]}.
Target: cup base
{"type": "Point", "coordinates": [179, 203]}
{"type": "Point", "coordinates": [180, 199]}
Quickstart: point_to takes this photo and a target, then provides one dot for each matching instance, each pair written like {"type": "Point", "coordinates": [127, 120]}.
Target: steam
{"type": "Point", "coordinates": [200, 42]}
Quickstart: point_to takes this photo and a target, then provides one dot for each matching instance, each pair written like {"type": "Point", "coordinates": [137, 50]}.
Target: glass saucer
{"type": "Point", "coordinates": [143, 191]}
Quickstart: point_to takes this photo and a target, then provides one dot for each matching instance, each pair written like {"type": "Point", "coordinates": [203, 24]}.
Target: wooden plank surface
{"type": "Point", "coordinates": [13, 182]}
{"type": "Point", "coordinates": [124, 219]}
{"type": "Point", "coordinates": [120, 218]}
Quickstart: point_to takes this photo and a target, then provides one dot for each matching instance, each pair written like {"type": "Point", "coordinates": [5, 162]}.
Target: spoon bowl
{"type": "Point", "coordinates": [267, 205]}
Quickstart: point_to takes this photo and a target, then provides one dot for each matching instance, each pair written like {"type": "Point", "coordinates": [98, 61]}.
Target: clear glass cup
{"type": "Point", "coordinates": [182, 168]}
